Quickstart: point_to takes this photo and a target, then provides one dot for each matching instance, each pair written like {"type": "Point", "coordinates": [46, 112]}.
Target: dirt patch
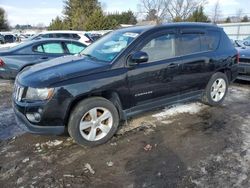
{"type": "Point", "coordinates": [8, 126]}
{"type": "Point", "coordinates": [190, 145]}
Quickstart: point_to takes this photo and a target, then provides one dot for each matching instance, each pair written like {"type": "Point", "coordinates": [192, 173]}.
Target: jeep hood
{"type": "Point", "coordinates": [59, 69]}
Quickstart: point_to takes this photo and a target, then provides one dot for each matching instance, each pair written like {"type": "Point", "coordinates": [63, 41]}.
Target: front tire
{"type": "Point", "coordinates": [216, 89]}
{"type": "Point", "coordinates": [93, 121]}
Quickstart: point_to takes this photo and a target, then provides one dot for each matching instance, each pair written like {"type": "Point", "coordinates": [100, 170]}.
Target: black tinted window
{"type": "Point", "coordinates": [210, 41]}
{"type": "Point", "coordinates": [38, 48]}
{"type": "Point", "coordinates": [76, 37]}
{"type": "Point", "coordinates": [160, 48]}
{"type": "Point", "coordinates": [45, 36]}
{"type": "Point", "coordinates": [66, 36]}
{"type": "Point", "coordinates": [190, 43]}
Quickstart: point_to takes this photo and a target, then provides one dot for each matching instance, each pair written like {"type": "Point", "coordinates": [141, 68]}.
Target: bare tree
{"type": "Point", "coordinates": [239, 13]}
{"type": "Point", "coordinates": [155, 10]}
{"type": "Point", "coordinates": [180, 10]}
{"type": "Point", "coordinates": [216, 12]}
{"type": "Point", "coordinates": [173, 10]}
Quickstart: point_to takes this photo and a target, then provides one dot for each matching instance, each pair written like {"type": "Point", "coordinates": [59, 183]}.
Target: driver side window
{"type": "Point", "coordinates": [160, 48]}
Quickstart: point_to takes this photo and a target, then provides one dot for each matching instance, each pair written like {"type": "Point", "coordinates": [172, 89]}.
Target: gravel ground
{"type": "Point", "coordinates": [186, 145]}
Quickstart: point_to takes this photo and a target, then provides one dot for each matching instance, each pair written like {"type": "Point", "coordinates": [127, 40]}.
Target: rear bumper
{"type": "Point", "coordinates": [5, 74]}
{"type": "Point", "coordinates": [29, 127]}
{"type": "Point", "coordinates": [244, 71]}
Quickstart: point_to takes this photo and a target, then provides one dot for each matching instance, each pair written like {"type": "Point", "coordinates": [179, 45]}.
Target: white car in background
{"type": "Point", "coordinates": [75, 35]}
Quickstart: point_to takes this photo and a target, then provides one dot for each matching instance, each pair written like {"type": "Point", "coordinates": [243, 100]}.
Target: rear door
{"type": "Point", "coordinates": [74, 48]}
{"type": "Point", "coordinates": [49, 50]}
{"type": "Point", "coordinates": [197, 66]}
{"type": "Point", "coordinates": [158, 77]}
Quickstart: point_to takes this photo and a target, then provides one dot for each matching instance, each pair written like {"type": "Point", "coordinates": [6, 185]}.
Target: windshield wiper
{"type": "Point", "coordinates": [90, 56]}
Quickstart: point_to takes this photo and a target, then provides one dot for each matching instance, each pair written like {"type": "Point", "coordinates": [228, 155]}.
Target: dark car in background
{"type": "Point", "coordinates": [9, 38]}
{"type": "Point", "coordinates": [246, 43]}
{"type": "Point", "coordinates": [15, 59]}
{"type": "Point", "coordinates": [126, 72]}
{"type": "Point", "coordinates": [93, 36]}
{"type": "Point", "coordinates": [244, 63]}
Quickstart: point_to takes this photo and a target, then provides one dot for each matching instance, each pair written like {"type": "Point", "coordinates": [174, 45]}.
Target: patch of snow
{"type": "Point", "coordinates": [110, 163]}
{"type": "Point", "coordinates": [232, 165]}
{"type": "Point", "coordinates": [52, 143]}
{"type": "Point", "coordinates": [89, 168]}
{"type": "Point", "coordinates": [8, 45]}
{"type": "Point", "coordinates": [191, 108]}
{"type": "Point", "coordinates": [238, 93]}
{"type": "Point", "coordinates": [68, 176]}
{"type": "Point", "coordinates": [167, 122]}
{"type": "Point", "coordinates": [26, 160]}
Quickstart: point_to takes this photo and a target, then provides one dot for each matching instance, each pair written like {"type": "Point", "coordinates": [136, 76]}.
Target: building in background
{"type": "Point", "coordinates": [236, 31]}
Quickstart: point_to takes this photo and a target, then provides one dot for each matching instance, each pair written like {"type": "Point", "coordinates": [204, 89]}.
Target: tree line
{"type": "Point", "coordinates": [89, 14]}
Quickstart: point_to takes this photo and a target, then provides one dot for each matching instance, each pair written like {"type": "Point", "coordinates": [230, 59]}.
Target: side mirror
{"type": "Point", "coordinates": [138, 57]}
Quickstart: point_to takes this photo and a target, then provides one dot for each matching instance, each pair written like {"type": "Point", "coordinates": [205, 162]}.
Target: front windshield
{"type": "Point", "coordinates": [110, 46]}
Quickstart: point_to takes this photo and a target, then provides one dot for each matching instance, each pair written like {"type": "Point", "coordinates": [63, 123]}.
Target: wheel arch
{"type": "Point", "coordinates": [112, 96]}
{"type": "Point", "coordinates": [227, 72]}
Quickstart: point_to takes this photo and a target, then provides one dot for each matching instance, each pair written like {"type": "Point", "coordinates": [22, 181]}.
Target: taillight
{"type": "Point", "coordinates": [238, 57]}
{"type": "Point", "coordinates": [1, 63]}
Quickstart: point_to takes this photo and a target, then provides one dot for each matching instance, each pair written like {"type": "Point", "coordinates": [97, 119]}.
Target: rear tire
{"type": "Point", "coordinates": [216, 89]}
{"type": "Point", "coordinates": [93, 121]}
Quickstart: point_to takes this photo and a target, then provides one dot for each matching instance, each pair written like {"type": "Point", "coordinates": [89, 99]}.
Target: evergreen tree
{"type": "Point", "coordinates": [98, 21]}
{"type": "Point", "coordinates": [57, 24]}
{"type": "Point", "coordinates": [77, 12]}
{"type": "Point", "coordinates": [198, 15]}
{"type": "Point", "coordinates": [245, 19]}
{"type": "Point", "coordinates": [127, 17]}
{"type": "Point", "coordinates": [228, 20]}
{"type": "Point", "coordinates": [4, 26]}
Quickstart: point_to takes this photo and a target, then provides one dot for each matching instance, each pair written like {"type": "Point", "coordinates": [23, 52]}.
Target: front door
{"type": "Point", "coordinates": [159, 77]}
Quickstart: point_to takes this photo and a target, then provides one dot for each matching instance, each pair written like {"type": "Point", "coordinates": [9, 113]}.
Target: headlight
{"type": "Point", "coordinates": [39, 94]}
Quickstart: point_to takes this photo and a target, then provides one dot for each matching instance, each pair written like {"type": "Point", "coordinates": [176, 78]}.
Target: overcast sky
{"type": "Point", "coordinates": [42, 11]}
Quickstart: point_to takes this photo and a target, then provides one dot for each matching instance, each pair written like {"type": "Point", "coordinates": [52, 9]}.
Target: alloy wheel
{"type": "Point", "coordinates": [218, 89]}
{"type": "Point", "coordinates": [96, 124]}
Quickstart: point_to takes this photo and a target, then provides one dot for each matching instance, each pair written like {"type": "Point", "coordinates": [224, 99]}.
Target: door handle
{"type": "Point", "coordinates": [172, 65]}
{"type": "Point", "coordinates": [44, 58]}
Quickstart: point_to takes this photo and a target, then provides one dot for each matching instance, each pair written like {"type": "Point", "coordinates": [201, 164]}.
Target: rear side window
{"type": "Point", "coordinates": [74, 48]}
{"type": "Point", "coordinates": [45, 36]}
{"type": "Point", "coordinates": [51, 48]}
{"type": "Point", "coordinates": [210, 41]}
{"type": "Point", "coordinates": [66, 36]}
{"type": "Point", "coordinates": [76, 37]}
{"type": "Point", "coordinates": [190, 43]}
{"type": "Point", "coordinates": [39, 49]}
{"type": "Point", "coordinates": [160, 48]}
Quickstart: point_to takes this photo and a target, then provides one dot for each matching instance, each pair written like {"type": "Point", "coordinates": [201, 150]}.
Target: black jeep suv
{"type": "Point", "coordinates": [126, 72]}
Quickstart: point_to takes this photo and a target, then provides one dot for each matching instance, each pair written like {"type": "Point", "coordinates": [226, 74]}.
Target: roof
{"type": "Point", "coordinates": [53, 39]}
{"type": "Point", "coordinates": [63, 31]}
{"type": "Point", "coordinates": [30, 42]}
{"type": "Point", "coordinates": [140, 29]}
